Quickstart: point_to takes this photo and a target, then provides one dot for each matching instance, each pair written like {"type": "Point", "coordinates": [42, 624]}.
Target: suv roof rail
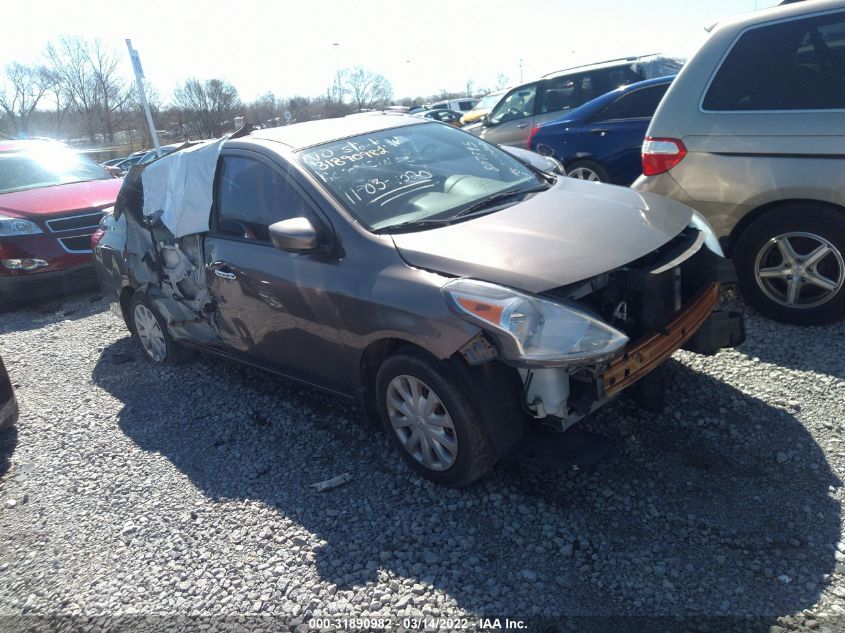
{"type": "Point", "coordinates": [607, 61]}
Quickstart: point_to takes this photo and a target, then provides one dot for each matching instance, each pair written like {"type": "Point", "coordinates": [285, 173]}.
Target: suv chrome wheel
{"type": "Point", "coordinates": [799, 270]}
{"type": "Point", "coordinates": [149, 333]}
{"type": "Point", "coordinates": [421, 422]}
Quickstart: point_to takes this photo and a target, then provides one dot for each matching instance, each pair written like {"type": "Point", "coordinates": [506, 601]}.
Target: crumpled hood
{"type": "Point", "coordinates": [573, 231]}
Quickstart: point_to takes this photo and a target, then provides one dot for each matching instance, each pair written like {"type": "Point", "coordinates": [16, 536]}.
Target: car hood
{"type": "Point", "coordinates": [60, 198]}
{"type": "Point", "coordinates": [569, 233]}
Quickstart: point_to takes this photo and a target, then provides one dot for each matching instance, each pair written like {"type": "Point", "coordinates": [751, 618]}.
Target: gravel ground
{"type": "Point", "coordinates": [128, 489]}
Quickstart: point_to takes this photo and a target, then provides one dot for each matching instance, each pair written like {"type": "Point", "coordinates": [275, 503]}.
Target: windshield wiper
{"type": "Point", "coordinates": [413, 225]}
{"type": "Point", "coordinates": [495, 200]}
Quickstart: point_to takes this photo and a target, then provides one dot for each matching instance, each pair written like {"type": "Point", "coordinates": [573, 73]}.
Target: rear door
{"type": "Point", "coordinates": [615, 134]}
{"type": "Point", "coordinates": [274, 308]}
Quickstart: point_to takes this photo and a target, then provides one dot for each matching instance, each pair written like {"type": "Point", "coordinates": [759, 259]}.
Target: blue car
{"type": "Point", "coordinates": [601, 140]}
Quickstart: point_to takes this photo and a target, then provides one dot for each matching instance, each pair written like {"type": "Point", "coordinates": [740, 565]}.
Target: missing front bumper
{"type": "Point", "coordinates": [648, 353]}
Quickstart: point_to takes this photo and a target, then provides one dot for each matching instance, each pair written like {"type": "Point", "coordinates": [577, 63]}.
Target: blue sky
{"type": "Point", "coordinates": [287, 47]}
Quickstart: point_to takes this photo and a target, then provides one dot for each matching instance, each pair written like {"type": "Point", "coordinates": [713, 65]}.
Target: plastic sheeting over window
{"type": "Point", "coordinates": [180, 186]}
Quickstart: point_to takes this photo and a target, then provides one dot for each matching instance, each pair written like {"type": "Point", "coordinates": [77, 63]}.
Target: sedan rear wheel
{"type": "Point", "coordinates": [586, 170]}
{"type": "Point", "coordinates": [150, 330]}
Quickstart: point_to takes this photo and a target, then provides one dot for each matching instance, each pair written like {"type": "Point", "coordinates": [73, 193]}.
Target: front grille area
{"type": "Point", "coordinates": [75, 222]}
{"type": "Point", "coordinates": [76, 244]}
{"type": "Point", "coordinates": [79, 228]}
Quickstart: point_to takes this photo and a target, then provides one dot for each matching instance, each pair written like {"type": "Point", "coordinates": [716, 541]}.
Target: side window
{"type": "Point", "coordinates": [639, 104]}
{"type": "Point", "coordinates": [518, 104]}
{"type": "Point", "coordinates": [561, 93]}
{"type": "Point", "coordinates": [466, 106]}
{"type": "Point", "coordinates": [251, 196]}
{"type": "Point", "coordinates": [793, 65]}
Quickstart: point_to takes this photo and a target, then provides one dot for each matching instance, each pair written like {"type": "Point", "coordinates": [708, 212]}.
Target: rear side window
{"type": "Point", "coordinates": [639, 104]}
{"type": "Point", "coordinates": [252, 196]}
{"type": "Point", "coordinates": [570, 91]}
{"type": "Point", "coordinates": [794, 65]}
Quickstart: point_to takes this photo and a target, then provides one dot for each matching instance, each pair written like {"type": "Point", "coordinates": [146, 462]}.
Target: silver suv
{"type": "Point", "coordinates": [752, 135]}
{"type": "Point", "coordinates": [525, 107]}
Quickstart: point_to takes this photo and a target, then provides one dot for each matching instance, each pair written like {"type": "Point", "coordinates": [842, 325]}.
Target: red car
{"type": "Point", "coordinates": [51, 201]}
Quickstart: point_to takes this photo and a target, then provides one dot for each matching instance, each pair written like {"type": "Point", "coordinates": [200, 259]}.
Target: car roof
{"type": "Point", "coordinates": [310, 133]}
{"type": "Point", "coordinates": [610, 63]}
{"type": "Point", "coordinates": [793, 9]}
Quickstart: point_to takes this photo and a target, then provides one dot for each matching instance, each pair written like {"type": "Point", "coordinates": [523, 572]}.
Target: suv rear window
{"type": "Point", "coordinates": [794, 65]}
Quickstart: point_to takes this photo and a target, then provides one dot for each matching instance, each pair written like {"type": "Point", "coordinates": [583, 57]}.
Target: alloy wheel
{"type": "Point", "coordinates": [584, 173]}
{"type": "Point", "coordinates": [422, 423]}
{"type": "Point", "coordinates": [149, 333]}
{"type": "Point", "coordinates": [799, 270]}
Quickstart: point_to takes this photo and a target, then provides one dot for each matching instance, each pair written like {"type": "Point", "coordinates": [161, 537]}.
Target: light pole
{"type": "Point", "coordinates": [337, 71]}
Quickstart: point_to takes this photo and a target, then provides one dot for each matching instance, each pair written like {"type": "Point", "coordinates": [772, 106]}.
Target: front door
{"type": "Point", "coordinates": [511, 120]}
{"type": "Point", "coordinates": [273, 308]}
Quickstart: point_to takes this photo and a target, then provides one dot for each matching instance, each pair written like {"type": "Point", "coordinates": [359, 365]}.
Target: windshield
{"type": "Point", "coordinates": [46, 166]}
{"type": "Point", "coordinates": [488, 102]}
{"type": "Point", "coordinates": [414, 173]}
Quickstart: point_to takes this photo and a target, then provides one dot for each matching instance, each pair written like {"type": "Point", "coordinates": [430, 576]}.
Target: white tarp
{"type": "Point", "coordinates": [180, 184]}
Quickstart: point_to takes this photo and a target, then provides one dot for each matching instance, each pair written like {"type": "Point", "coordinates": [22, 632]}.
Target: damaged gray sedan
{"type": "Point", "coordinates": [463, 295]}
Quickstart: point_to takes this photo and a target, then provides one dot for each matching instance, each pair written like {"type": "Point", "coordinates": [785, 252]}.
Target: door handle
{"type": "Point", "coordinates": [221, 269]}
{"type": "Point", "coordinates": [599, 131]}
{"type": "Point", "coordinates": [522, 125]}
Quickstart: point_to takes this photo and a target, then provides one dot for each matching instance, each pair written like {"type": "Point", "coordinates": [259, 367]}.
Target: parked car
{"type": "Point", "coordinates": [444, 116]}
{"type": "Point", "coordinates": [459, 105]}
{"type": "Point", "coordinates": [751, 134]}
{"type": "Point", "coordinates": [484, 105]}
{"type": "Point", "coordinates": [51, 201]}
{"type": "Point", "coordinates": [602, 140]}
{"type": "Point", "coordinates": [510, 122]}
{"type": "Point", "coordinates": [113, 162]}
{"type": "Point", "coordinates": [460, 294]}
{"type": "Point", "coordinates": [127, 163]}
{"type": "Point", "coordinates": [8, 402]}
{"type": "Point", "coordinates": [153, 154]}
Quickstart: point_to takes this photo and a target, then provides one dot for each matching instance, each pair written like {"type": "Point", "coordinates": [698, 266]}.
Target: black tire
{"type": "Point", "coordinates": [475, 453]}
{"type": "Point", "coordinates": [174, 354]}
{"type": "Point", "coordinates": [597, 169]}
{"type": "Point", "coordinates": [757, 241]}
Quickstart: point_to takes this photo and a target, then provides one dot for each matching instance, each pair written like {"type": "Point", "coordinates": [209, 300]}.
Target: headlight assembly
{"type": "Point", "coordinates": [534, 331]}
{"type": "Point", "coordinates": [17, 226]}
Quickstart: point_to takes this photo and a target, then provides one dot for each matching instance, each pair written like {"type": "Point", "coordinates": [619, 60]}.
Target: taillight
{"type": "Point", "coordinates": [661, 154]}
{"type": "Point", "coordinates": [531, 135]}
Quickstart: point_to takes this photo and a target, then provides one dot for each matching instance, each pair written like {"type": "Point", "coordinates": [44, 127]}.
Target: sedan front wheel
{"type": "Point", "coordinates": [431, 421]}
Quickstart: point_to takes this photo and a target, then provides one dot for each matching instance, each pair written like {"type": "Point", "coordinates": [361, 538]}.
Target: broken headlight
{"type": "Point", "coordinates": [531, 330]}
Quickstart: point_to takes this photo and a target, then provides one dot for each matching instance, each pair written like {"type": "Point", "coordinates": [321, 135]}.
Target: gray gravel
{"type": "Point", "coordinates": [128, 489]}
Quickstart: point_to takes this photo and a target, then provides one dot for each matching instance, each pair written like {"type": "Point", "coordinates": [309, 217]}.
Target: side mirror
{"type": "Point", "coordinates": [294, 235]}
{"type": "Point", "coordinates": [485, 120]}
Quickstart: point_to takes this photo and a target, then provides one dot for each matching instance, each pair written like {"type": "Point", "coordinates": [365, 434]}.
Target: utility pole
{"type": "Point", "coordinates": [337, 72]}
{"type": "Point", "coordinates": [520, 70]}
{"type": "Point", "coordinates": [139, 76]}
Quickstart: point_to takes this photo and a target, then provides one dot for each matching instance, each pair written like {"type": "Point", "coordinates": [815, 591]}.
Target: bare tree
{"type": "Point", "coordinates": [470, 86]}
{"type": "Point", "coordinates": [501, 81]}
{"type": "Point", "coordinates": [112, 92]}
{"type": "Point", "coordinates": [208, 108]}
{"type": "Point", "coordinates": [367, 89]}
{"type": "Point", "coordinates": [24, 89]}
{"type": "Point", "coordinates": [87, 76]}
